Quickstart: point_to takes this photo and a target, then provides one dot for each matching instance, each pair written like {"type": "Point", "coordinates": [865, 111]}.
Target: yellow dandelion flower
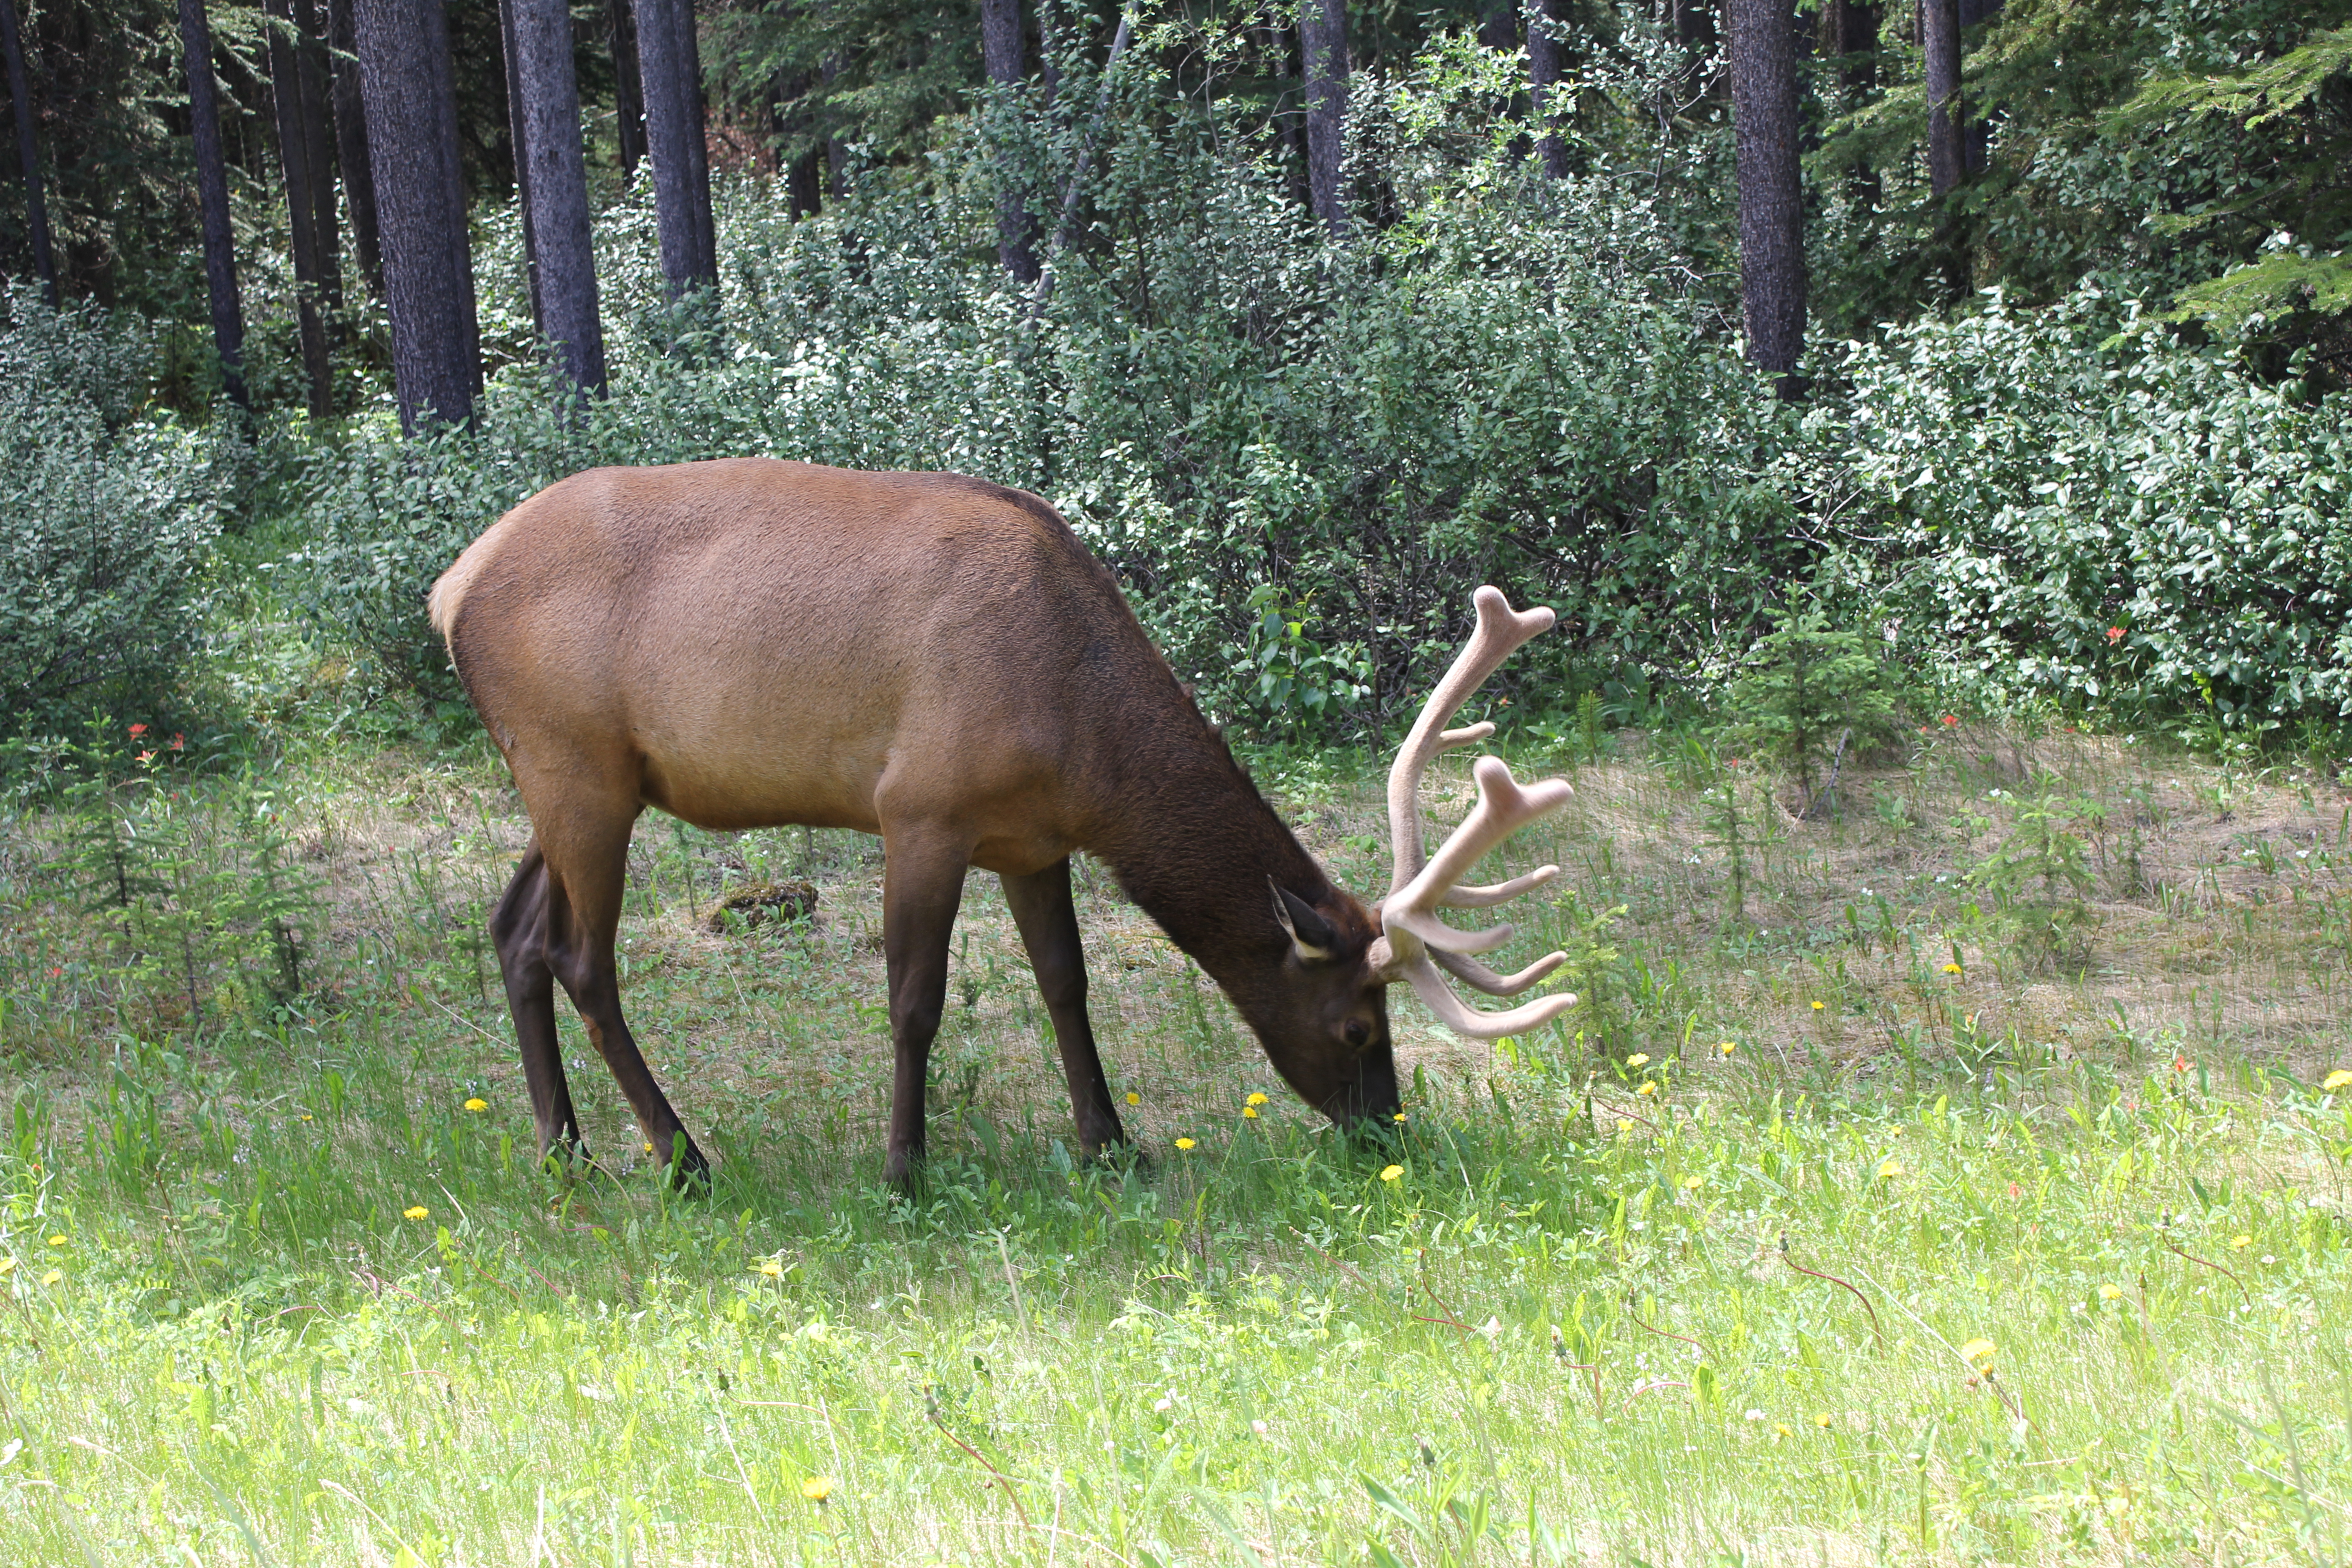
{"type": "Point", "coordinates": [53, 1276]}
{"type": "Point", "coordinates": [1692, 1184]}
{"type": "Point", "coordinates": [417, 1210]}
{"type": "Point", "coordinates": [771, 1267]}
{"type": "Point", "coordinates": [1392, 1173]}
{"type": "Point", "coordinates": [1649, 1087]}
{"type": "Point", "coordinates": [1250, 1111]}
{"type": "Point", "coordinates": [649, 1148]}
{"type": "Point", "coordinates": [2238, 1241]}
{"type": "Point", "coordinates": [2110, 1291]}
{"type": "Point", "coordinates": [1889, 1169]}
{"type": "Point", "coordinates": [1183, 1143]}
{"type": "Point", "coordinates": [57, 1241]}
{"type": "Point", "coordinates": [2340, 1079]}
{"type": "Point", "coordinates": [1256, 1100]}
{"type": "Point", "coordinates": [1782, 1429]}
{"type": "Point", "coordinates": [1823, 1420]}
{"type": "Point", "coordinates": [1726, 1047]}
{"type": "Point", "coordinates": [816, 1489]}
{"type": "Point", "coordinates": [1817, 1007]}
{"type": "Point", "coordinates": [1624, 1124]}
{"type": "Point", "coordinates": [1979, 1351]}
{"type": "Point", "coordinates": [1638, 1059]}
{"type": "Point", "coordinates": [1133, 1098]}
{"type": "Point", "coordinates": [306, 1116]}
{"type": "Point", "coordinates": [477, 1105]}
{"type": "Point", "coordinates": [1954, 969]}
{"type": "Point", "coordinates": [1398, 1117]}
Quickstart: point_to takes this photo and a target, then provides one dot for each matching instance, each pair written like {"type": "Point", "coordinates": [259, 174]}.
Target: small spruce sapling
{"type": "Point", "coordinates": [1806, 693]}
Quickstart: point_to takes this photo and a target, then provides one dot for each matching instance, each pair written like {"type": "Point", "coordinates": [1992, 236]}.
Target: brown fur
{"type": "Point", "coordinates": [927, 657]}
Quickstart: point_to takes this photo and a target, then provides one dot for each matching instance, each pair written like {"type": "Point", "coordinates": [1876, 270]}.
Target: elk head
{"type": "Point", "coordinates": [1326, 1024]}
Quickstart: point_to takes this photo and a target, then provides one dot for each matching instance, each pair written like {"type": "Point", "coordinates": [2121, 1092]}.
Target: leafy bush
{"type": "Point", "coordinates": [109, 522]}
{"type": "Point", "coordinates": [2072, 505]}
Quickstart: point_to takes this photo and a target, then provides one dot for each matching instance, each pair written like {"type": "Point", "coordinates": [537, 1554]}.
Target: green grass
{"type": "Point", "coordinates": [1722, 1320]}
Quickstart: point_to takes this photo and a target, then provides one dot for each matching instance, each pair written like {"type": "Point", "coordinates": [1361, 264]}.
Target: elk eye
{"type": "Point", "coordinates": [1358, 1032]}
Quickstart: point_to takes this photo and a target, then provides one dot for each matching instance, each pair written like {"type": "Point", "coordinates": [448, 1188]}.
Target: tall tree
{"type": "Point", "coordinates": [428, 276]}
{"type": "Point", "coordinates": [1006, 60]}
{"type": "Point", "coordinates": [351, 144]}
{"type": "Point", "coordinates": [1323, 49]}
{"type": "Point", "coordinates": [1763, 48]}
{"type": "Point", "coordinates": [212, 194]}
{"type": "Point", "coordinates": [671, 63]}
{"type": "Point", "coordinates": [28, 157]}
{"type": "Point", "coordinates": [556, 189]}
{"type": "Point", "coordinates": [311, 66]}
{"type": "Point", "coordinates": [295, 143]}
{"type": "Point", "coordinates": [628, 90]}
{"type": "Point", "coordinates": [1940, 41]}
{"type": "Point", "coordinates": [1544, 74]}
{"type": "Point", "coordinates": [517, 140]}
{"type": "Point", "coordinates": [1976, 139]}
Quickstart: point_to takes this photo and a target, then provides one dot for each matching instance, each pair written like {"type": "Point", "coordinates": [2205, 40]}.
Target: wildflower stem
{"type": "Point", "coordinates": [1877, 1332]}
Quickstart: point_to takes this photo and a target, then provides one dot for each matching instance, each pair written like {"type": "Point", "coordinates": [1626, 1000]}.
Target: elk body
{"type": "Point", "coordinates": [938, 660]}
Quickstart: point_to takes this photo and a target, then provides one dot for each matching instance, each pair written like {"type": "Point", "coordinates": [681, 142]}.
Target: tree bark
{"type": "Point", "coordinates": [301, 210]}
{"type": "Point", "coordinates": [802, 169]}
{"type": "Point", "coordinates": [28, 157]}
{"type": "Point", "coordinates": [1545, 71]}
{"type": "Point", "coordinates": [1939, 40]}
{"type": "Point", "coordinates": [1498, 27]}
{"type": "Point", "coordinates": [517, 141]}
{"type": "Point", "coordinates": [628, 86]}
{"type": "Point", "coordinates": [352, 144]}
{"type": "Point", "coordinates": [412, 117]}
{"type": "Point", "coordinates": [1005, 57]}
{"type": "Point", "coordinates": [211, 194]}
{"type": "Point", "coordinates": [557, 191]}
{"type": "Point", "coordinates": [1762, 38]}
{"type": "Point", "coordinates": [319, 140]}
{"type": "Point", "coordinates": [671, 64]}
{"type": "Point", "coordinates": [1323, 49]}
{"type": "Point", "coordinates": [1850, 32]}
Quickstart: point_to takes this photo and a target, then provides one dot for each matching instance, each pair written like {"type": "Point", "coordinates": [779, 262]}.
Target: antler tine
{"type": "Point", "coordinates": [1415, 943]}
{"type": "Point", "coordinates": [1500, 631]}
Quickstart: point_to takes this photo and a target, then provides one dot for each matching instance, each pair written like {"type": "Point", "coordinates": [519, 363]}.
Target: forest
{"type": "Point", "coordinates": [1931, 425]}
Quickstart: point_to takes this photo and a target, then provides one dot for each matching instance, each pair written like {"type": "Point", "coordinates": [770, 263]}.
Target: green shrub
{"type": "Point", "coordinates": [1806, 692]}
{"type": "Point", "coordinates": [109, 522]}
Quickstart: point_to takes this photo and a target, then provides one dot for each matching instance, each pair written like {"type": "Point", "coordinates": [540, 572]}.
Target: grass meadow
{"type": "Point", "coordinates": [1949, 1178]}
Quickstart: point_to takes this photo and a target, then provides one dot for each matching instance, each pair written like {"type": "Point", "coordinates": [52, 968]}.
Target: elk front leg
{"type": "Point", "coordinates": [1048, 921]}
{"type": "Point", "coordinates": [519, 932]}
{"type": "Point", "coordinates": [922, 884]}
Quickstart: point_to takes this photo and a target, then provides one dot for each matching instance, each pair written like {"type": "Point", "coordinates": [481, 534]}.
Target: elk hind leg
{"type": "Point", "coordinates": [587, 871]}
{"type": "Point", "coordinates": [922, 884]}
{"type": "Point", "coordinates": [1048, 923]}
{"type": "Point", "coordinates": [519, 932]}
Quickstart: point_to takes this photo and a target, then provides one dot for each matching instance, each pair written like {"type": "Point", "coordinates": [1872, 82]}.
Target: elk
{"type": "Point", "coordinates": [936, 660]}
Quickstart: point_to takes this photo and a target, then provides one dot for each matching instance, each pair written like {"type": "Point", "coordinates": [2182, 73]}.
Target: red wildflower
{"type": "Point", "coordinates": [1951, 718]}
{"type": "Point", "coordinates": [137, 731]}
{"type": "Point", "coordinates": [179, 743]}
{"type": "Point", "coordinates": [2179, 1064]}
{"type": "Point", "coordinates": [146, 756]}
{"type": "Point", "coordinates": [2115, 634]}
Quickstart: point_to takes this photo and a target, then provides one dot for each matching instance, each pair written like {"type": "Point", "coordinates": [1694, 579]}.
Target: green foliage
{"type": "Point", "coordinates": [1807, 689]}
{"type": "Point", "coordinates": [2039, 876]}
{"type": "Point", "coordinates": [106, 540]}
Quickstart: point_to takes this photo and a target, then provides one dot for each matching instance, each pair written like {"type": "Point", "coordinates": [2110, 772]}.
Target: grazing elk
{"type": "Point", "coordinates": [938, 660]}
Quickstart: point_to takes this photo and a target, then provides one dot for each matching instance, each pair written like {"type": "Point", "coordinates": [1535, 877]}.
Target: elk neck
{"type": "Point", "coordinates": [1194, 843]}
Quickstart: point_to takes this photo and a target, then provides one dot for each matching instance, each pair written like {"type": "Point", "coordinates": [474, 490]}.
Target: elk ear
{"type": "Point", "coordinates": [1311, 936]}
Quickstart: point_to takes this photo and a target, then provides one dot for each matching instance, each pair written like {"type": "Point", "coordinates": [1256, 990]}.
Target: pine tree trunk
{"type": "Point", "coordinates": [29, 158]}
{"type": "Point", "coordinates": [1940, 41]}
{"type": "Point", "coordinates": [667, 56]}
{"type": "Point", "coordinates": [1850, 32]}
{"type": "Point", "coordinates": [802, 169]}
{"type": "Point", "coordinates": [412, 119]}
{"type": "Point", "coordinates": [628, 86]}
{"type": "Point", "coordinates": [352, 144]}
{"type": "Point", "coordinates": [319, 138]}
{"type": "Point", "coordinates": [1323, 49]}
{"type": "Point", "coordinates": [1763, 47]}
{"type": "Point", "coordinates": [1005, 57]}
{"type": "Point", "coordinates": [301, 210]}
{"type": "Point", "coordinates": [211, 194]}
{"type": "Point", "coordinates": [1498, 27]}
{"type": "Point", "coordinates": [557, 190]}
{"type": "Point", "coordinates": [517, 141]}
{"type": "Point", "coordinates": [1545, 70]}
